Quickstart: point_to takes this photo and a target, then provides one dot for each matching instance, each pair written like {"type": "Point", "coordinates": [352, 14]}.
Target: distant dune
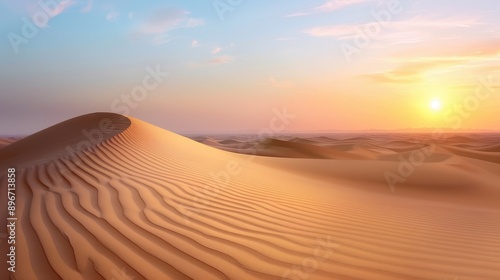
{"type": "Point", "coordinates": [103, 196]}
{"type": "Point", "coordinates": [5, 141]}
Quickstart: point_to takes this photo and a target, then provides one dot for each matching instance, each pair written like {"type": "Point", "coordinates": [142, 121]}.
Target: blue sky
{"type": "Point", "coordinates": [228, 73]}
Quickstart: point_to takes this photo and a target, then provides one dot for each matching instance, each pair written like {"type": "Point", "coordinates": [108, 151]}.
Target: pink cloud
{"type": "Point", "coordinates": [216, 50]}
{"type": "Point", "coordinates": [328, 6]}
{"type": "Point", "coordinates": [333, 5]}
{"type": "Point", "coordinates": [220, 60]}
{"type": "Point", "coordinates": [213, 62]}
{"type": "Point", "coordinates": [331, 31]}
{"type": "Point", "coordinates": [62, 6]}
{"type": "Point", "coordinates": [163, 20]}
{"type": "Point", "coordinates": [52, 11]}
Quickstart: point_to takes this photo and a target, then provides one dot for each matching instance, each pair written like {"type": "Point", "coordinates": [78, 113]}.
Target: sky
{"type": "Point", "coordinates": [218, 66]}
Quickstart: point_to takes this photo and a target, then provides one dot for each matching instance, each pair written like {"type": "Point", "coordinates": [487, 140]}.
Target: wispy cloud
{"type": "Point", "coordinates": [298, 14]}
{"type": "Point", "coordinates": [161, 39]}
{"type": "Point", "coordinates": [112, 16]}
{"type": "Point", "coordinates": [438, 23]}
{"type": "Point", "coordinates": [416, 24]}
{"type": "Point", "coordinates": [331, 31]}
{"type": "Point", "coordinates": [333, 5]}
{"type": "Point", "coordinates": [216, 50]}
{"type": "Point", "coordinates": [328, 6]}
{"type": "Point", "coordinates": [412, 72]}
{"type": "Point", "coordinates": [195, 43]}
{"type": "Point", "coordinates": [194, 22]}
{"type": "Point", "coordinates": [220, 60]}
{"type": "Point", "coordinates": [59, 8]}
{"type": "Point", "coordinates": [416, 69]}
{"type": "Point", "coordinates": [279, 84]}
{"type": "Point", "coordinates": [213, 62]}
{"type": "Point", "coordinates": [62, 6]}
{"type": "Point", "coordinates": [166, 20]}
{"type": "Point", "coordinates": [87, 7]}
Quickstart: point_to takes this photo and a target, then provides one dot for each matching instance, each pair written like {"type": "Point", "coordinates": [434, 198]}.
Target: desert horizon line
{"type": "Point", "coordinates": [249, 132]}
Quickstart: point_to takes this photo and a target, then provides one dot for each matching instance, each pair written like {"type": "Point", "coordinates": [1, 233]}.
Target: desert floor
{"type": "Point", "coordinates": [104, 196]}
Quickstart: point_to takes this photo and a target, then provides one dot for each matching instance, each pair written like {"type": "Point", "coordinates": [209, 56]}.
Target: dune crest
{"type": "Point", "coordinates": [144, 203]}
{"type": "Point", "coordinates": [66, 138]}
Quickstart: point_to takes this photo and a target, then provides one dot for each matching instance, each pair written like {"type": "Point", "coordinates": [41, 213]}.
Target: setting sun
{"type": "Point", "coordinates": [435, 104]}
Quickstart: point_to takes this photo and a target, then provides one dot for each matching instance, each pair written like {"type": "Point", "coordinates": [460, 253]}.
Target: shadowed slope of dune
{"type": "Point", "coordinates": [490, 148]}
{"type": "Point", "coordinates": [280, 148]}
{"type": "Point", "coordinates": [494, 148]}
{"type": "Point", "coordinates": [477, 154]}
{"type": "Point", "coordinates": [403, 146]}
{"type": "Point", "coordinates": [5, 141]}
{"type": "Point", "coordinates": [65, 138]}
{"type": "Point", "coordinates": [146, 203]}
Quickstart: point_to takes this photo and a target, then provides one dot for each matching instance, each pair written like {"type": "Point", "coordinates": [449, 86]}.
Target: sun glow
{"type": "Point", "coordinates": [435, 104]}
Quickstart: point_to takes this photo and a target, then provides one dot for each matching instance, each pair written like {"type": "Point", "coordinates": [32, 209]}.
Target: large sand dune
{"type": "Point", "coordinates": [103, 196]}
{"type": "Point", "coordinates": [5, 141]}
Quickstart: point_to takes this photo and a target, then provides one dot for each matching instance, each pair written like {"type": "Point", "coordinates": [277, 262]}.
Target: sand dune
{"type": "Point", "coordinates": [140, 202]}
{"type": "Point", "coordinates": [280, 148]}
{"type": "Point", "coordinates": [5, 141]}
{"type": "Point", "coordinates": [491, 148]}
{"type": "Point", "coordinates": [60, 140]}
{"type": "Point", "coordinates": [472, 153]}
